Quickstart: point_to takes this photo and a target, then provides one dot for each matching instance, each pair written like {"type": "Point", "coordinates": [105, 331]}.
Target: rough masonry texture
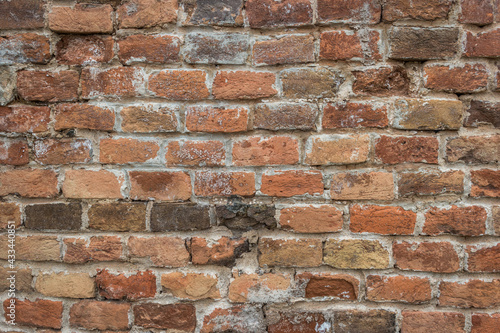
{"type": "Point", "coordinates": [251, 166]}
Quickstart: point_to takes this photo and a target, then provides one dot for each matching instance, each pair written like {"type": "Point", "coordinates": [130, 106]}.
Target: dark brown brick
{"type": "Point", "coordinates": [285, 116]}
{"type": "Point", "coordinates": [269, 13]}
{"type": "Point", "coordinates": [473, 149]}
{"type": "Point", "coordinates": [213, 12]}
{"type": "Point", "coordinates": [402, 149]}
{"type": "Point", "coordinates": [118, 216]}
{"type": "Point", "coordinates": [53, 216]}
{"type": "Point", "coordinates": [319, 82]}
{"type": "Point", "coordinates": [24, 48]}
{"type": "Point", "coordinates": [216, 48]}
{"type": "Point", "coordinates": [241, 216]}
{"type": "Point", "coordinates": [431, 182]}
{"type": "Point", "coordinates": [373, 321]}
{"type": "Point", "coordinates": [483, 112]}
{"type": "Point", "coordinates": [383, 81]}
{"type": "Point", "coordinates": [46, 86]}
{"type": "Point", "coordinates": [179, 217]}
{"type": "Point", "coordinates": [179, 317]}
{"type": "Point", "coordinates": [296, 322]}
{"type": "Point", "coordinates": [22, 14]}
{"type": "Point", "coordinates": [416, 9]}
{"type": "Point", "coordinates": [349, 12]}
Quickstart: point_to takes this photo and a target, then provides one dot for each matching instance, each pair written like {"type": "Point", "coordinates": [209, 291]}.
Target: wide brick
{"type": "Point", "coordinates": [33, 248]}
{"type": "Point", "coordinates": [485, 323]}
{"type": "Point", "coordinates": [473, 149]}
{"type": "Point", "coordinates": [354, 115]}
{"type": "Point", "coordinates": [477, 12]}
{"type": "Point", "coordinates": [216, 48]}
{"type": "Point", "coordinates": [223, 251]}
{"type": "Point", "coordinates": [38, 313]}
{"type": "Point", "coordinates": [243, 85]}
{"type": "Point", "coordinates": [416, 9]}
{"type": "Point", "coordinates": [463, 221]}
{"type": "Point", "coordinates": [237, 215]}
{"type": "Point", "coordinates": [360, 321]}
{"type": "Point", "coordinates": [305, 252]}
{"type": "Point", "coordinates": [192, 286]}
{"type": "Point", "coordinates": [483, 112]}
{"type": "Point", "coordinates": [126, 286]}
{"type": "Point", "coordinates": [256, 288]}
{"type": "Point", "coordinates": [162, 251]}
{"type": "Point", "coordinates": [23, 282]}
{"type": "Point", "coordinates": [125, 150]}
{"type": "Point", "coordinates": [117, 82]}
{"type": "Point", "coordinates": [62, 151]}
{"type": "Point", "coordinates": [117, 216]}
{"type": "Point", "coordinates": [296, 321]}
{"type": "Point", "coordinates": [385, 220]}
{"type": "Point", "coordinates": [216, 119]}
{"type": "Point", "coordinates": [58, 216]}
{"type": "Point", "coordinates": [159, 49]}
{"type": "Point", "coordinates": [320, 82]}
{"type": "Point", "coordinates": [179, 84]}
{"type": "Point", "coordinates": [350, 45]}
{"type": "Point", "coordinates": [285, 116]}
{"type": "Point", "coordinates": [89, 184]}
{"type": "Point", "coordinates": [169, 186]}
{"type": "Point", "coordinates": [7, 85]}
{"type": "Point", "coordinates": [71, 285]}
{"type": "Point", "coordinates": [9, 211]}
{"type": "Point", "coordinates": [208, 183]}
{"type": "Point", "coordinates": [349, 12]}
{"type": "Point", "coordinates": [292, 182]}
{"type": "Point", "coordinates": [470, 294]}
{"type": "Point", "coordinates": [422, 322]}
{"type": "Point", "coordinates": [239, 319]}
{"type": "Point", "coordinates": [414, 43]}
{"type": "Point", "coordinates": [146, 13]}
{"type": "Point", "coordinates": [339, 286]}
{"type": "Point", "coordinates": [31, 183]}
{"type": "Point", "coordinates": [409, 289]}
{"type": "Point", "coordinates": [340, 149]}
{"type": "Point", "coordinates": [196, 153]}
{"type": "Point", "coordinates": [14, 152]}
{"type": "Point", "coordinates": [485, 183]}
{"type": "Point", "coordinates": [362, 186]}
{"type": "Point", "coordinates": [404, 149]}
{"type": "Point", "coordinates": [98, 315]}
{"type": "Point", "coordinates": [24, 48]}
{"type": "Point", "coordinates": [22, 14]}
{"type": "Point", "coordinates": [430, 182]}
{"type": "Point", "coordinates": [269, 14]}
{"type": "Point", "coordinates": [483, 258]}
{"type": "Point", "coordinates": [311, 219]}
{"type": "Point", "coordinates": [81, 19]}
{"type": "Point", "coordinates": [438, 257]}
{"type": "Point", "coordinates": [286, 49]}
{"type": "Point", "coordinates": [276, 150]}
{"type": "Point", "coordinates": [97, 248]}
{"type": "Point", "coordinates": [382, 81]}
{"type": "Point", "coordinates": [149, 119]}
{"type": "Point", "coordinates": [483, 44]}
{"type": "Point", "coordinates": [355, 254]}
{"type": "Point", "coordinates": [178, 317]}
{"type": "Point", "coordinates": [179, 217]}
{"type": "Point", "coordinates": [83, 116]}
{"type": "Point", "coordinates": [84, 50]}
{"type": "Point", "coordinates": [467, 78]}
{"type": "Point", "coordinates": [45, 86]}
{"type": "Point", "coordinates": [431, 114]}
{"type": "Point", "coordinates": [218, 13]}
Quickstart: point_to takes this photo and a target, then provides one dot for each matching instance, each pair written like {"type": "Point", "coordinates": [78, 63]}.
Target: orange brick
{"type": "Point", "coordinates": [266, 151]}
{"type": "Point", "coordinates": [327, 150]}
{"type": "Point", "coordinates": [115, 82]}
{"type": "Point", "coordinates": [362, 186]}
{"type": "Point", "coordinates": [81, 19]}
{"type": "Point", "coordinates": [208, 183]}
{"type": "Point", "coordinates": [243, 85]}
{"type": "Point", "coordinates": [179, 84]}
{"type": "Point", "coordinates": [290, 183]}
{"type": "Point", "coordinates": [409, 289]}
{"type": "Point", "coordinates": [385, 220]}
{"type": "Point", "coordinates": [46, 86]}
{"type": "Point", "coordinates": [149, 48]}
{"type": "Point", "coordinates": [311, 219]}
{"type": "Point", "coordinates": [168, 186]}
{"type": "Point", "coordinates": [83, 116]}
{"type": "Point", "coordinates": [438, 257]}
{"type": "Point", "coordinates": [63, 151]}
{"type": "Point", "coordinates": [122, 150]}
{"type": "Point", "coordinates": [31, 183]}
{"type": "Point", "coordinates": [200, 153]}
{"type": "Point", "coordinates": [463, 221]}
{"type": "Point", "coordinates": [24, 118]}
{"type": "Point", "coordinates": [154, 249]}
{"type": "Point", "coordinates": [14, 152]}
{"type": "Point", "coordinates": [216, 119]}
{"type": "Point", "coordinates": [483, 258]}
{"type": "Point", "coordinates": [347, 45]}
{"type": "Point", "coordinates": [89, 184]}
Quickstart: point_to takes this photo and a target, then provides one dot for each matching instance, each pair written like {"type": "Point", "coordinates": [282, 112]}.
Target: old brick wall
{"type": "Point", "coordinates": [251, 165]}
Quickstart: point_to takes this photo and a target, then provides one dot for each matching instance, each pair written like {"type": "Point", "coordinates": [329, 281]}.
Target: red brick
{"type": "Point", "coordinates": [341, 286]}
{"type": "Point", "coordinates": [173, 317]}
{"type": "Point", "coordinates": [208, 183]}
{"type": "Point", "coordinates": [84, 50]}
{"type": "Point", "coordinates": [416, 9]}
{"type": "Point", "coordinates": [22, 14]}
{"type": "Point", "coordinates": [81, 19]}
{"type": "Point", "coordinates": [9, 211]}
{"type": "Point", "coordinates": [62, 151]}
{"type": "Point", "coordinates": [83, 116]}
{"type": "Point", "coordinates": [216, 119]}
{"type": "Point", "coordinates": [97, 248]}
{"type": "Point", "coordinates": [243, 85]}
{"type": "Point", "coordinates": [159, 49]}
{"type": "Point", "coordinates": [349, 45]}
{"type": "Point", "coordinates": [24, 48]}
{"type": "Point", "coordinates": [268, 13]}
{"type": "Point", "coordinates": [354, 11]}
{"type": "Point", "coordinates": [149, 119]}
{"type": "Point", "coordinates": [223, 251]}
{"type": "Point", "coordinates": [196, 153]}
{"type": "Point", "coordinates": [238, 319]}
{"type": "Point", "coordinates": [478, 12]}
{"type": "Point", "coordinates": [473, 149]}
{"type": "Point", "coordinates": [467, 78]}
{"type": "Point", "coordinates": [405, 149]}
{"type": "Point", "coordinates": [470, 294]}
{"type": "Point", "coordinates": [285, 116]}
{"type": "Point", "coordinates": [463, 221]}
{"type": "Point", "coordinates": [298, 321]}
{"type": "Point", "coordinates": [97, 315]}
{"type": "Point", "coordinates": [39, 313]}
{"type": "Point", "coordinates": [14, 152]}
{"type": "Point", "coordinates": [311, 219]}
{"type": "Point", "coordinates": [483, 44]}
{"type": "Point", "coordinates": [485, 323]}
{"type": "Point", "coordinates": [439, 257]}
{"type": "Point", "coordinates": [89, 184]}
{"type": "Point", "coordinates": [112, 82]}
{"type": "Point", "coordinates": [337, 149]}
{"type": "Point", "coordinates": [31, 183]}
{"type": "Point", "coordinates": [146, 13]}
{"type": "Point", "coordinates": [275, 150]}
{"type": "Point", "coordinates": [409, 289]}
{"type": "Point", "coordinates": [305, 252]}
{"type": "Point", "coordinates": [24, 118]}
{"type": "Point", "coordinates": [362, 186]}
{"type": "Point", "coordinates": [383, 81]}
{"type": "Point", "coordinates": [154, 248]}
{"type": "Point", "coordinates": [483, 112]}
{"type": "Point", "coordinates": [354, 115]}
{"type": "Point", "coordinates": [427, 322]}
{"type": "Point", "coordinates": [483, 258]}
{"type": "Point", "coordinates": [168, 186]}
{"type": "Point", "coordinates": [292, 182]}
{"type": "Point", "coordinates": [179, 84]}
{"type": "Point", "coordinates": [485, 183]}
{"type": "Point", "coordinates": [126, 286]}
{"type": "Point", "coordinates": [430, 182]}
{"type": "Point", "coordinates": [45, 86]}
{"type": "Point", "coordinates": [289, 49]}
{"type": "Point", "coordinates": [124, 150]}
{"type": "Point", "coordinates": [385, 220]}
{"type": "Point", "coordinates": [216, 48]}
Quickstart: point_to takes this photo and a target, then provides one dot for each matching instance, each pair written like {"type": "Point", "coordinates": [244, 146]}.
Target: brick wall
{"type": "Point", "coordinates": [251, 166]}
